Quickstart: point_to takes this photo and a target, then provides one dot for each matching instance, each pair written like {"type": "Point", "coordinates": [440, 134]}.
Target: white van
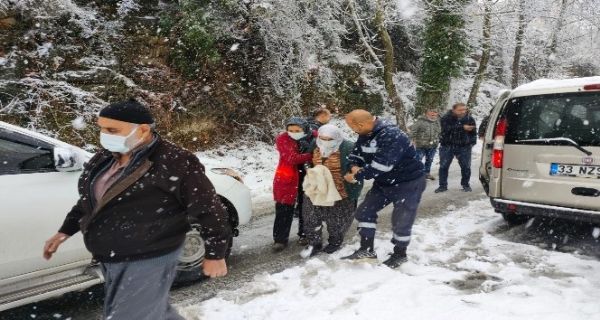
{"type": "Point", "coordinates": [541, 151]}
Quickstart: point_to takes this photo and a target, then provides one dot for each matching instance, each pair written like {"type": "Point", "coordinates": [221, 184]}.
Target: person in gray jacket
{"type": "Point", "coordinates": [425, 134]}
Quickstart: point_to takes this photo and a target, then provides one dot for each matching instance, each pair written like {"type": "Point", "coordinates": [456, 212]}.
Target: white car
{"type": "Point", "coordinates": [38, 186]}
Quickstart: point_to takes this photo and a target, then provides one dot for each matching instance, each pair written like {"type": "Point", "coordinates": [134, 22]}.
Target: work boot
{"type": "Point", "coordinates": [397, 258]}
{"type": "Point", "coordinates": [366, 251]}
{"type": "Point", "coordinates": [467, 189]}
{"type": "Point", "coordinates": [365, 255]}
{"type": "Point", "coordinates": [430, 177]}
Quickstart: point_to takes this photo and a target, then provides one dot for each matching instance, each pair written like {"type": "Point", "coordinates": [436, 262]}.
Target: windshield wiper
{"type": "Point", "coordinates": [561, 139]}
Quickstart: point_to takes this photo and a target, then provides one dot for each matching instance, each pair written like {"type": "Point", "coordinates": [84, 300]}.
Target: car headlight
{"type": "Point", "coordinates": [228, 172]}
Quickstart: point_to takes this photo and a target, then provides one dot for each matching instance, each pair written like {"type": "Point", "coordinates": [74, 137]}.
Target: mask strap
{"type": "Point", "coordinates": [137, 126]}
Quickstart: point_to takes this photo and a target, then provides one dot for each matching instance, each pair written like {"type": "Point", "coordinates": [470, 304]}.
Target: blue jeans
{"type": "Point", "coordinates": [463, 155]}
{"type": "Point", "coordinates": [428, 154]}
{"type": "Point", "coordinates": [405, 196]}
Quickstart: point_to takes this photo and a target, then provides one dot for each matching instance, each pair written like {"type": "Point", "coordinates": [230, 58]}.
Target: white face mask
{"type": "Point", "coordinates": [119, 144]}
{"type": "Point", "coordinates": [327, 147]}
{"type": "Point", "coordinates": [296, 135]}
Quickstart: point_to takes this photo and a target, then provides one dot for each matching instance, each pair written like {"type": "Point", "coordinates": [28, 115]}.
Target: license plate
{"type": "Point", "coordinates": [574, 170]}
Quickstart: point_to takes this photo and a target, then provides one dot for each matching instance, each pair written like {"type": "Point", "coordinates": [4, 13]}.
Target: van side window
{"type": "Point", "coordinates": [20, 154]}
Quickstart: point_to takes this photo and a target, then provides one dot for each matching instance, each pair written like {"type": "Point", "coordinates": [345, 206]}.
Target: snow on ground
{"type": "Point", "coordinates": [457, 270]}
{"type": "Point", "coordinates": [256, 162]}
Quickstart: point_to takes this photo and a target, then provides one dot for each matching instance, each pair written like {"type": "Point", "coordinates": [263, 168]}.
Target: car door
{"type": "Point", "coordinates": [34, 199]}
{"type": "Point", "coordinates": [490, 178]}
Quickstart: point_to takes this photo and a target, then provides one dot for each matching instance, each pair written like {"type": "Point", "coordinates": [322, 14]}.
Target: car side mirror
{"type": "Point", "coordinates": [67, 159]}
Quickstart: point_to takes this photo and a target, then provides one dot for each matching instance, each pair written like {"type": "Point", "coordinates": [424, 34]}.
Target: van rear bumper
{"type": "Point", "coordinates": [536, 209]}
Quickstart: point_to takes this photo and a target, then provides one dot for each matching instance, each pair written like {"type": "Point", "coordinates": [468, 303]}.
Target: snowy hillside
{"type": "Point", "coordinates": [216, 73]}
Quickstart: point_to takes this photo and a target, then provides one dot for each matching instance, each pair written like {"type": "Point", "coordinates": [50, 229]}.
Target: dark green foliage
{"type": "Point", "coordinates": [193, 37]}
{"type": "Point", "coordinates": [445, 47]}
{"type": "Point", "coordinates": [349, 92]}
{"type": "Point", "coordinates": [405, 56]}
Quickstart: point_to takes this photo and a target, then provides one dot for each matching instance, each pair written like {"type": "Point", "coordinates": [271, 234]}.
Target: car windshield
{"type": "Point", "coordinates": [574, 116]}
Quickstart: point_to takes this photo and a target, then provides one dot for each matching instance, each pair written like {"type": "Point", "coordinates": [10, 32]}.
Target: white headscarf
{"type": "Point", "coordinates": [328, 147]}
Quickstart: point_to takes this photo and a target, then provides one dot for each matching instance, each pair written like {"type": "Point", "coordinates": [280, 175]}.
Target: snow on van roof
{"type": "Point", "coordinates": [548, 86]}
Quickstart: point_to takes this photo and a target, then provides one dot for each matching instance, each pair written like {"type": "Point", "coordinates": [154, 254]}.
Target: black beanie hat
{"type": "Point", "coordinates": [128, 111]}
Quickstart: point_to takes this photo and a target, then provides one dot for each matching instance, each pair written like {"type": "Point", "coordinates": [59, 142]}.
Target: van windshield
{"type": "Point", "coordinates": [574, 116]}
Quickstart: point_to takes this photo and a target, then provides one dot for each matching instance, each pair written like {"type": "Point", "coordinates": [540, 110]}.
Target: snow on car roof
{"type": "Point", "coordinates": [549, 86]}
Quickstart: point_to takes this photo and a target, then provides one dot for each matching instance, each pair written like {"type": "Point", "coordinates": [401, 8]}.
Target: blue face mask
{"type": "Point", "coordinates": [118, 144]}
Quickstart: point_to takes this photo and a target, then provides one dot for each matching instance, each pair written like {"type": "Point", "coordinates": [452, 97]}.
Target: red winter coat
{"type": "Point", "coordinates": [287, 177]}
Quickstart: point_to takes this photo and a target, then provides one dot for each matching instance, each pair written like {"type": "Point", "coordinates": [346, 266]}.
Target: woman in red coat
{"type": "Point", "coordinates": [287, 177]}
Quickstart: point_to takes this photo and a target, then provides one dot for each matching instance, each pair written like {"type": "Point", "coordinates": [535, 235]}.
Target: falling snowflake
{"type": "Point", "coordinates": [79, 123]}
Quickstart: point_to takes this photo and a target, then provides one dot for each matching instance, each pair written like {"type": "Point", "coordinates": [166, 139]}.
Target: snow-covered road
{"type": "Point", "coordinates": [457, 270]}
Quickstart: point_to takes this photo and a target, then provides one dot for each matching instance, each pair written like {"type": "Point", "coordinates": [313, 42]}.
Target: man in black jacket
{"type": "Point", "coordinates": [137, 198]}
{"type": "Point", "coordinates": [458, 137]}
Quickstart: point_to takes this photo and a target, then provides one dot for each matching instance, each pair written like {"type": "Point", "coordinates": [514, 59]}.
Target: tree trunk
{"type": "Point", "coordinates": [516, 65]}
{"type": "Point", "coordinates": [485, 54]}
{"type": "Point", "coordinates": [554, 40]}
{"type": "Point", "coordinates": [361, 34]}
{"type": "Point", "coordinates": [388, 67]}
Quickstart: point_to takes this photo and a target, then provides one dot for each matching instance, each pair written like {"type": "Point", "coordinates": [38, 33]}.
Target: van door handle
{"type": "Point", "coordinates": [586, 192]}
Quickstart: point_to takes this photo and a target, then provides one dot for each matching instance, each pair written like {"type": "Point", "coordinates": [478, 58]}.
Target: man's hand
{"type": "Point", "coordinates": [214, 268]}
{"type": "Point", "coordinates": [355, 170]}
{"type": "Point", "coordinates": [468, 127]}
{"type": "Point", "coordinates": [349, 177]}
{"type": "Point", "coordinates": [53, 243]}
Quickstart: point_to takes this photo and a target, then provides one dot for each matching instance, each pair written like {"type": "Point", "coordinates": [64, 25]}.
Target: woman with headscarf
{"type": "Point", "coordinates": [332, 152]}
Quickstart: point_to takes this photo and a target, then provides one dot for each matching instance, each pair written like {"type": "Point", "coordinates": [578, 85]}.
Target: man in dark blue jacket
{"type": "Point", "coordinates": [384, 153]}
{"type": "Point", "coordinates": [458, 137]}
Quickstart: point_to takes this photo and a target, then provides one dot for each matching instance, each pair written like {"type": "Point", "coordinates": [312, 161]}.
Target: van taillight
{"type": "Point", "coordinates": [497, 158]}
{"type": "Point", "coordinates": [498, 152]}
{"type": "Point", "coordinates": [592, 87]}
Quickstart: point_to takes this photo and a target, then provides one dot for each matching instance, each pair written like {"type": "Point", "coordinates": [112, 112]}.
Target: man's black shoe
{"type": "Point", "coordinates": [278, 247]}
{"type": "Point", "coordinates": [330, 248]}
{"type": "Point", "coordinates": [441, 189]}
